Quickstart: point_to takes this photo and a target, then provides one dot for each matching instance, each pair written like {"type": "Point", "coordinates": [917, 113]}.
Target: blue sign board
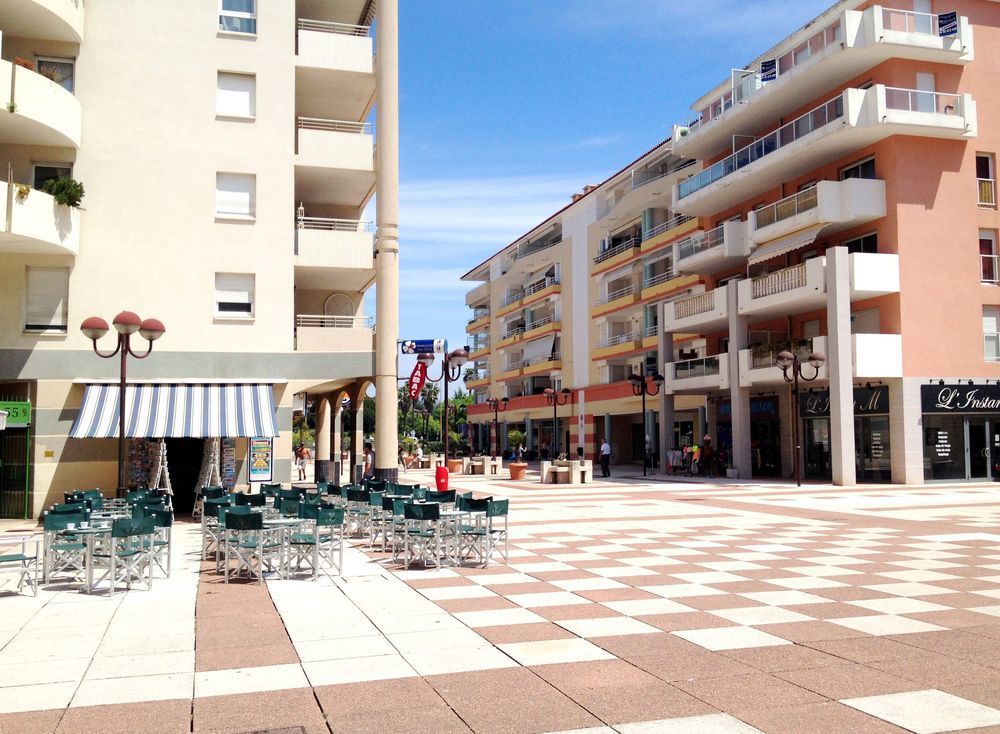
{"type": "Point", "coordinates": [768, 70]}
{"type": "Point", "coordinates": [948, 24]}
{"type": "Point", "coordinates": [423, 346]}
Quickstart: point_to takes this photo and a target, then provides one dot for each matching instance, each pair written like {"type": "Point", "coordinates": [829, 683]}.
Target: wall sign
{"type": "Point", "coordinates": [423, 346]}
{"type": "Point", "coordinates": [260, 460]}
{"type": "Point", "coordinates": [228, 472]}
{"type": "Point", "coordinates": [18, 413]}
{"type": "Point", "coordinates": [960, 398]}
{"type": "Point", "coordinates": [948, 24]}
{"type": "Point", "coordinates": [759, 408]}
{"type": "Point", "coordinates": [867, 401]}
{"type": "Point", "coordinates": [768, 70]}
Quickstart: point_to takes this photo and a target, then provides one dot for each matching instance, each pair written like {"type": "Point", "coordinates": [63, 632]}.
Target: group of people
{"type": "Point", "coordinates": [301, 456]}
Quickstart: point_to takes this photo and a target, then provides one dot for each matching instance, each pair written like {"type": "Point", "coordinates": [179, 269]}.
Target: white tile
{"type": "Point", "coordinates": [36, 697]}
{"type": "Point", "coordinates": [898, 605]}
{"type": "Point", "coordinates": [459, 660]}
{"type": "Point", "coordinates": [918, 575]}
{"type": "Point", "coordinates": [424, 574]}
{"type": "Point", "coordinates": [638, 607]}
{"type": "Point", "coordinates": [591, 583]}
{"type": "Point", "coordinates": [622, 571]}
{"type": "Point", "coordinates": [548, 599]}
{"type": "Point", "coordinates": [760, 615]}
{"type": "Point", "coordinates": [707, 724]}
{"type": "Point", "coordinates": [571, 557]}
{"type": "Point", "coordinates": [547, 652]}
{"type": "Point", "coordinates": [163, 643]}
{"type": "Point", "coordinates": [542, 567]}
{"type": "Point", "coordinates": [993, 611]}
{"type": "Point", "coordinates": [466, 591]}
{"type": "Point", "coordinates": [909, 588]}
{"type": "Point", "coordinates": [784, 598]}
{"type": "Point", "coordinates": [447, 639]}
{"type": "Point", "coordinates": [806, 582]}
{"type": "Point", "coordinates": [501, 579]}
{"type": "Point", "coordinates": [356, 670]}
{"type": "Point", "coordinates": [708, 577]}
{"type": "Point", "coordinates": [498, 617]}
{"type": "Point", "coordinates": [886, 624]}
{"type": "Point", "coordinates": [250, 680]}
{"type": "Point", "coordinates": [927, 712]}
{"type": "Point", "coordinates": [730, 638]}
{"type": "Point", "coordinates": [607, 627]}
{"type": "Point", "coordinates": [101, 691]}
{"type": "Point", "coordinates": [343, 648]}
{"type": "Point", "coordinates": [390, 623]}
{"type": "Point", "coordinates": [731, 565]}
{"type": "Point", "coordinates": [679, 591]}
{"type": "Point", "coordinates": [154, 663]}
{"type": "Point", "coordinates": [822, 571]}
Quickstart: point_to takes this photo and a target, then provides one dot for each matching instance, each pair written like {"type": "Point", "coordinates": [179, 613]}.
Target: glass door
{"type": "Point", "coordinates": [979, 448]}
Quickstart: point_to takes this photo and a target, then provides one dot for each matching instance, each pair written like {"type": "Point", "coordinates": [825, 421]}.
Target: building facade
{"type": "Point", "coordinates": [227, 154]}
{"type": "Point", "coordinates": [836, 196]}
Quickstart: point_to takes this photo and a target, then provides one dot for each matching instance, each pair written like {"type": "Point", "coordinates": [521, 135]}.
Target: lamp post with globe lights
{"type": "Point", "coordinates": [790, 361]}
{"type": "Point", "coordinates": [641, 386]}
{"type": "Point", "coordinates": [126, 324]}
{"type": "Point", "coordinates": [555, 399]}
{"type": "Point", "coordinates": [451, 370]}
{"type": "Point", "coordinates": [498, 406]}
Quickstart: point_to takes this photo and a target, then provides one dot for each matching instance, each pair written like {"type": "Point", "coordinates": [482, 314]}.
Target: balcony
{"type": "Point", "coordinates": [334, 334]}
{"type": "Point", "coordinates": [479, 350]}
{"type": "Point", "coordinates": [758, 365]}
{"type": "Point", "coordinates": [816, 59]}
{"type": "Point", "coordinates": [665, 232]}
{"type": "Point", "coordinates": [36, 224]}
{"type": "Point", "coordinates": [706, 252]}
{"type": "Point", "coordinates": [335, 254]}
{"type": "Point", "coordinates": [511, 371]}
{"type": "Point", "coordinates": [618, 254]}
{"type": "Point", "coordinates": [50, 20]}
{"type": "Point", "coordinates": [990, 267]}
{"type": "Point", "coordinates": [612, 346]}
{"type": "Point", "coordinates": [540, 290]}
{"type": "Point", "coordinates": [615, 299]}
{"type": "Point", "coordinates": [334, 162]}
{"type": "Point", "coordinates": [704, 374]}
{"type": "Point", "coordinates": [480, 379]}
{"type": "Point", "coordinates": [802, 287]}
{"type": "Point", "coordinates": [540, 326]}
{"type": "Point", "coordinates": [848, 122]}
{"type": "Point", "coordinates": [479, 322]}
{"type": "Point", "coordinates": [541, 365]}
{"type": "Point", "coordinates": [478, 294]}
{"type": "Point", "coordinates": [510, 303]}
{"type": "Point", "coordinates": [44, 112]}
{"type": "Point", "coordinates": [700, 314]}
{"type": "Point", "coordinates": [333, 69]}
{"type": "Point", "coordinates": [510, 337]}
{"type": "Point", "coordinates": [828, 207]}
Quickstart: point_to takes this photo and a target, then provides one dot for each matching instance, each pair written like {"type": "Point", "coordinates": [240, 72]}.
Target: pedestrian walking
{"type": "Point", "coordinates": [605, 458]}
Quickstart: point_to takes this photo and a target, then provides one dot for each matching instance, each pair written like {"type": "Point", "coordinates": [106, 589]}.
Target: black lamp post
{"type": "Point", "coordinates": [126, 324]}
{"type": "Point", "coordinates": [641, 386]}
{"type": "Point", "coordinates": [451, 370]}
{"type": "Point", "coordinates": [786, 361]}
{"type": "Point", "coordinates": [555, 399]}
{"type": "Point", "coordinates": [498, 406]}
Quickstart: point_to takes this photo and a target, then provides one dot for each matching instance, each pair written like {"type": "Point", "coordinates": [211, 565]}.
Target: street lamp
{"type": "Point", "coordinates": [555, 399]}
{"type": "Point", "coordinates": [451, 370]}
{"type": "Point", "coordinates": [126, 324]}
{"type": "Point", "coordinates": [641, 386]}
{"type": "Point", "coordinates": [785, 361]}
{"type": "Point", "coordinates": [498, 406]}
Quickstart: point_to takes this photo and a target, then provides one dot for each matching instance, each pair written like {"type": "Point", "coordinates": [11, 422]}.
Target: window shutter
{"type": "Point", "coordinates": [235, 194]}
{"type": "Point", "coordinates": [234, 293]}
{"type": "Point", "coordinates": [46, 296]}
{"type": "Point", "coordinates": [236, 94]}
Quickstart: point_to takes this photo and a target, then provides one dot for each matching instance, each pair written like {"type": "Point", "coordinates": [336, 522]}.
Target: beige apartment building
{"type": "Point", "coordinates": [836, 196]}
{"type": "Point", "coordinates": [227, 152]}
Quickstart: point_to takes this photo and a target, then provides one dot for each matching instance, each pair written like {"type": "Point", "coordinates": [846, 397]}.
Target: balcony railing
{"type": "Point", "coordinates": [514, 364]}
{"type": "Point", "coordinates": [696, 367]}
{"type": "Point", "coordinates": [480, 375]}
{"type": "Point", "coordinates": [916, 100]}
{"type": "Point", "coordinates": [700, 242]}
{"type": "Point", "coordinates": [787, 208]}
{"type": "Point", "coordinates": [538, 323]}
{"type": "Point", "coordinates": [675, 221]}
{"type": "Point", "coordinates": [909, 21]}
{"type": "Point", "coordinates": [337, 126]}
{"type": "Point", "coordinates": [702, 303]}
{"type": "Point", "coordinates": [615, 295]}
{"type": "Point", "coordinates": [649, 331]}
{"type": "Point", "coordinates": [532, 247]}
{"type": "Point", "coordinates": [335, 225]}
{"type": "Point", "coordinates": [323, 26]}
{"type": "Point", "coordinates": [541, 360]}
{"type": "Point", "coordinates": [617, 249]}
{"type": "Point", "coordinates": [513, 332]}
{"type": "Point", "coordinates": [663, 277]}
{"type": "Point", "coordinates": [540, 285]}
{"type": "Point", "coordinates": [780, 281]}
{"type": "Point", "coordinates": [641, 178]}
{"type": "Point", "coordinates": [614, 341]}
{"type": "Point", "coordinates": [479, 314]}
{"type": "Point", "coordinates": [334, 322]}
{"type": "Point", "coordinates": [512, 298]}
{"type": "Point", "coordinates": [763, 356]}
{"type": "Point", "coordinates": [991, 268]}
{"type": "Point", "coordinates": [478, 346]}
{"type": "Point", "coordinates": [784, 135]}
{"type": "Point", "coordinates": [987, 192]}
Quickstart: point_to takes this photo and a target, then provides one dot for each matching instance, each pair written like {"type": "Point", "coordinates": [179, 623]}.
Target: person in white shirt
{"type": "Point", "coordinates": [605, 458]}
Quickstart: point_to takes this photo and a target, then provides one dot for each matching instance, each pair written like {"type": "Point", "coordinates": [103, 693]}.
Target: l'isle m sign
{"type": "Point", "coordinates": [867, 401]}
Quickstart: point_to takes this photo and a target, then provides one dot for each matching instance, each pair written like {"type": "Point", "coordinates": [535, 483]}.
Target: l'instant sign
{"type": "Point", "coordinates": [960, 398]}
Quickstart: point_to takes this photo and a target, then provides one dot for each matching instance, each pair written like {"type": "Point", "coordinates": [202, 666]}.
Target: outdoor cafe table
{"type": "Point", "coordinates": [286, 526]}
{"type": "Point", "coordinates": [90, 536]}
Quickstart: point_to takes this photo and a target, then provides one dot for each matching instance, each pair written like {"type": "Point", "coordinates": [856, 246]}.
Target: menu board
{"type": "Point", "coordinates": [228, 463]}
{"type": "Point", "coordinates": [942, 444]}
{"type": "Point", "coordinates": [877, 448]}
{"type": "Point", "coordinates": [260, 460]}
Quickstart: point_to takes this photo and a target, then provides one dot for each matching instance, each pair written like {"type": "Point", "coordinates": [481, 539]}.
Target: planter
{"type": "Point", "coordinates": [517, 470]}
{"type": "Point", "coordinates": [455, 466]}
{"type": "Point", "coordinates": [732, 473]}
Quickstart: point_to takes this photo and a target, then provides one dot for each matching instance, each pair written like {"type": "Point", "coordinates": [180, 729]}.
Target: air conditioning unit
{"type": "Point", "coordinates": [680, 131]}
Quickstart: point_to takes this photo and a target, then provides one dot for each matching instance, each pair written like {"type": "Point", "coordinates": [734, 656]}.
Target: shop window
{"type": "Point", "coordinates": [990, 273]}
{"type": "Point", "coordinates": [861, 169]}
{"type": "Point", "coordinates": [46, 295]}
{"type": "Point", "coordinates": [865, 243]}
{"type": "Point", "coordinates": [234, 295]}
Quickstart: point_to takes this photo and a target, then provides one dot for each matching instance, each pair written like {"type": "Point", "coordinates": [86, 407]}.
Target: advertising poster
{"type": "Point", "coordinates": [228, 469]}
{"type": "Point", "coordinates": [260, 460]}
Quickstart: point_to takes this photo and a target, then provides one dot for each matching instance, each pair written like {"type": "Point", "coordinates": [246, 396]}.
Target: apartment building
{"type": "Point", "coordinates": [227, 154]}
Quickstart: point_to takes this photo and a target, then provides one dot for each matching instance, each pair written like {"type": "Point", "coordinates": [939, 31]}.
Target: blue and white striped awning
{"type": "Point", "coordinates": [178, 411]}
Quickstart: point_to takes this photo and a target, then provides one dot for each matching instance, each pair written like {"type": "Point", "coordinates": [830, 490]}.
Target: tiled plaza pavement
{"type": "Point", "coordinates": [625, 606]}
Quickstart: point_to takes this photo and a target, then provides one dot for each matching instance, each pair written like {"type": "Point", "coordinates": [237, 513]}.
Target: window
{"type": "Point", "coordinates": [986, 177]}
{"type": "Point", "coordinates": [46, 294]}
{"type": "Point", "coordinates": [238, 16]}
{"type": "Point", "coordinates": [58, 70]}
{"type": "Point", "coordinates": [991, 337]}
{"type": "Point", "coordinates": [861, 169]}
{"type": "Point", "coordinates": [234, 295]}
{"type": "Point", "coordinates": [236, 95]}
{"type": "Point", "coordinates": [810, 329]}
{"type": "Point", "coordinates": [235, 195]}
{"type": "Point", "coordinates": [866, 321]}
{"type": "Point", "coordinates": [988, 256]}
{"type": "Point", "coordinates": [47, 171]}
{"type": "Point", "coordinates": [865, 243]}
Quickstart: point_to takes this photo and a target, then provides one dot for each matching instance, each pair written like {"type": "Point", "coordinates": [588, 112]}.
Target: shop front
{"type": "Point", "coordinates": [872, 448]}
{"type": "Point", "coordinates": [961, 432]}
{"type": "Point", "coordinates": [765, 434]}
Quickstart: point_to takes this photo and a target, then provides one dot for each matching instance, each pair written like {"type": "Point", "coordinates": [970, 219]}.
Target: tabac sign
{"type": "Point", "coordinates": [960, 398]}
{"type": "Point", "coordinates": [867, 401]}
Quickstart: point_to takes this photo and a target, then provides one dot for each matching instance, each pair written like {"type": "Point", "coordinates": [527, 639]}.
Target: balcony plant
{"type": "Point", "coordinates": [21, 192]}
{"type": "Point", "coordinates": [26, 63]}
{"type": "Point", "coordinates": [66, 191]}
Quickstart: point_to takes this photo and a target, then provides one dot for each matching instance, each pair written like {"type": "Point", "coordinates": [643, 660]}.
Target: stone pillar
{"type": "Point", "coordinates": [321, 462]}
{"type": "Point", "coordinates": [358, 445]}
{"type": "Point", "coordinates": [701, 425]}
{"type": "Point", "coordinates": [906, 431]}
{"type": "Point", "coordinates": [529, 441]}
{"type": "Point", "coordinates": [387, 243]}
{"type": "Point", "coordinates": [665, 358]}
{"type": "Point", "coordinates": [838, 315]}
{"type": "Point", "coordinates": [336, 444]}
{"type": "Point", "coordinates": [607, 434]}
{"type": "Point", "coordinates": [739, 337]}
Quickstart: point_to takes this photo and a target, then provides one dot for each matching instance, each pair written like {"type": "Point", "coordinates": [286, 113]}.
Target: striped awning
{"type": "Point", "coordinates": [178, 411]}
{"type": "Point", "coordinates": [788, 243]}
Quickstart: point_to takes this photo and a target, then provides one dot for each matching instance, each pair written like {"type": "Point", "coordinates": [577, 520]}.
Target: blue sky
{"type": "Point", "coordinates": [508, 107]}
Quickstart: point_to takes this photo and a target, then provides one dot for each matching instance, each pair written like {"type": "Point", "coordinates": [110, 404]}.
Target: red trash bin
{"type": "Point", "coordinates": [441, 478]}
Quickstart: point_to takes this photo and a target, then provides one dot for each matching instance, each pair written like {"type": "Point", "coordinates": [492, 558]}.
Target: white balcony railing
{"type": "Point", "coordinates": [479, 314]}
{"type": "Point", "coordinates": [615, 295]}
{"type": "Point", "coordinates": [339, 126]}
{"type": "Point", "coordinates": [553, 357]}
{"type": "Point", "coordinates": [987, 192]}
{"type": "Point", "coordinates": [540, 285]}
{"type": "Point", "coordinates": [617, 250]}
{"type": "Point", "coordinates": [649, 331]}
{"type": "Point", "coordinates": [341, 243]}
{"type": "Point", "coordinates": [335, 225]}
{"type": "Point", "coordinates": [322, 321]}
{"type": "Point", "coordinates": [779, 281]}
{"type": "Point", "coordinates": [614, 341]}
{"type": "Point", "coordinates": [916, 100]}
{"type": "Point", "coordinates": [335, 143]}
{"type": "Point", "coordinates": [325, 26]}
{"type": "Point", "coordinates": [787, 207]}
{"type": "Point", "coordinates": [655, 280]}
{"type": "Point", "coordinates": [512, 298]}
{"type": "Point", "coordinates": [675, 221]}
{"type": "Point", "coordinates": [336, 46]}
{"type": "Point", "coordinates": [687, 307]}
{"type": "Point", "coordinates": [336, 334]}
{"type": "Point", "coordinates": [512, 332]}
{"type": "Point", "coordinates": [909, 21]}
{"type": "Point", "coordinates": [514, 364]}
{"type": "Point", "coordinates": [538, 323]}
{"type": "Point", "coordinates": [816, 118]}
{"type": "Point", "coordinates": [700, 242]}
{"type": "Point", "coordinates": [990, 268]}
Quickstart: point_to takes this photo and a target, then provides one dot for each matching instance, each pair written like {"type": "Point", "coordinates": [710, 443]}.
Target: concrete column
{"type": "Point", "coordinates": [739, 337]}
{"type": "Point", "coordinates": [529, 441]}
{"type": "Point", "coordinates": [607, 433]}
{"type": "Point", "coordinates": [665, 358]}
{"type": "Point", "coordinates": [358, 446]}
{"type": "Point", "coordinates": [336, 444]}
{"type": "Point", "coordinates": [701, 425]}
{"type": "Point", "coordinates": [906, 431]}
{"type": "Point", "coordinates": [321, 462]}
{"type": "Point", "coordinates": [838, 315]}
{"type": "Point", "coordinates": [647, 220]}
{"type": "Point", "coordinates": [387, 247]}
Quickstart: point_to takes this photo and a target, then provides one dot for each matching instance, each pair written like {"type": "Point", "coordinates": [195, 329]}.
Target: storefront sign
{"type": "Point", "coordinates": [423, 346]}
{"type": "Point", "coordinates": [768, 70]}
{"type": "Point", "coordinates": [960, 398]}
{"type": "Point", "coordinates": [867, 401]}
{"type": "Point", "coordinates": [948, 24]}
{"type": "Point", "coordinates": [260, 460]}
{"type": "Point", "coordinates": [228, 472]}
{"type": "Point", "coordinates": [18, 413]}
{"type": "Point", "coordinates": [417, 379]}
{"type": "Point", "coordinates": [759, 408]}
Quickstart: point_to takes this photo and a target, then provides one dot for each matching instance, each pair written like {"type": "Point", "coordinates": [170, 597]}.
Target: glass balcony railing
{"type": "Point", "coordinates": [786, 208]}
{"type": "Point", "coordinates": [916, 100]}
{"type": "Point", "coordinates": [696, 367]}
{"type": "Point", "coordinates": [675, 221]}
{"type": "Point", "coordinates": [700, 242]}
{"type": "Point", "coordinates": [784, 135]}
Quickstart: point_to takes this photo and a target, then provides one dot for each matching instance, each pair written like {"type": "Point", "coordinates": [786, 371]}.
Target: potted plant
{"type": "Point", "coordinates": [66, 191]}
{"type": "Point", "coordinates": [21, 192]}
{"type": "Point", "coordinates": [515, 438]}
